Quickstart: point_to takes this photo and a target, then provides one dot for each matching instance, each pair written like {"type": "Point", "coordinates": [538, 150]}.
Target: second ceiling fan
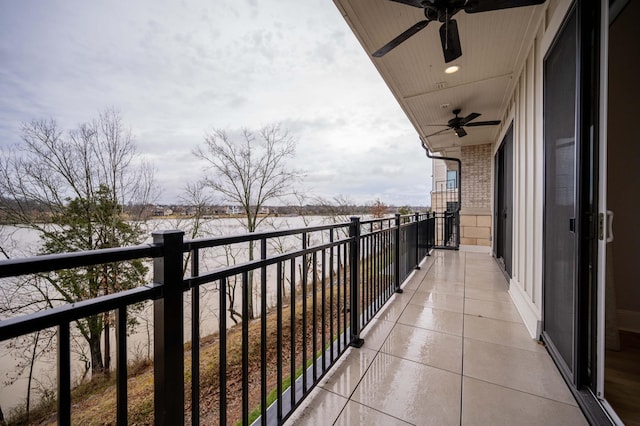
{"type": "Point", "coordinates": [443, 11]}
{"type": "Point", "coordinates": [456, 123]}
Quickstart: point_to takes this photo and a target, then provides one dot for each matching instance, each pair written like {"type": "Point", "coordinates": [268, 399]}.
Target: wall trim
{"type": "Point", "coordinates": [476, 249]}
{"type": "Point", "coordinates": [527, 310]}
{"type": "Point", "coordinates": [628, 320]}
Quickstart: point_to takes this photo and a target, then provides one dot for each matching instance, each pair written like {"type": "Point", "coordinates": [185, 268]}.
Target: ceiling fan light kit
{"type": "Point", "coordinates": [443, 11]}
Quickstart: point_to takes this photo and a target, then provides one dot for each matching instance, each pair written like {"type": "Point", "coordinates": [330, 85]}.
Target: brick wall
{"type": "Point", "coordinates": [475, 215]}
{"type": "Point", "coordinates": [476, 177]}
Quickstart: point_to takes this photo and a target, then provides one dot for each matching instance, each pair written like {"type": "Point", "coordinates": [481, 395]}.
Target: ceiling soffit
{"type": "Point", "coordinates": [494, 46]}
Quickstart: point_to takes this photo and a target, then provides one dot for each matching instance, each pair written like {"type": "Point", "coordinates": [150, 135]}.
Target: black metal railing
{"type": "Point", "coordinates": [337, 279]}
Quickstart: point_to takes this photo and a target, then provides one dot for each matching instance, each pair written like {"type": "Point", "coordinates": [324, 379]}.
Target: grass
{"type": "Point", "coordinates": [286, 384]}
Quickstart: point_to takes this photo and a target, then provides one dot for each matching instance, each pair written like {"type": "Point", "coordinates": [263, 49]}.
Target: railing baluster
{"type": "Point", "coordinates": [304, 313]}
{"type": "Point", "coordinates": [279, 282]}
{"type": "Point", "coordinates": [314, 308]}
{"type": "Point", "coordinates": [345, 283]}
{"type": "Point", "coordinates": [354, 266]}
{"type": "Point", "coordinates": [245, 347]}
{"type": "Point", "coordinates": [292, 304]}
{"type": "Point", "coordinates": [331, 286]}
{"type": "Point", "coordinates": [222, 355]}
{"type": "Point", "coordinates": [263, 332]}
{"type": "Point", "coordinates": [397, 256]}
{"type": "Point", "coordinates": [64, 374]}
{"type": "Point", "coordinates": [121, 365]}
{"type": "Point", "coordinates": [323, 316]}
{"type": "Point", "coordinates": [338, 307]}
{"type": "Point", "coordinates": [195, 341]}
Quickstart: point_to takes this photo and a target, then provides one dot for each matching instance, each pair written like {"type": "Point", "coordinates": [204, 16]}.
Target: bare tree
{"type": "Point", "coordinates": [249, 169]}
{"type": "Point", "coordinates": [78, 181]}
{"type": "Point", "coordinates": [378, 209]}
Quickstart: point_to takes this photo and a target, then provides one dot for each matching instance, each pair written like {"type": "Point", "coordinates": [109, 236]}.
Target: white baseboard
{"type": "Point", "coordinates": [629, 320]}
{"type": "Point", "coordinates": [477, 249]}
{"type": "Point", "coordinates": [527, 310]}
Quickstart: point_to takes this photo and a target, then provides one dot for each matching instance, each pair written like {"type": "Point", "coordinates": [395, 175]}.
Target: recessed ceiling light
{"type": "Point", "coordinates": [452, 69]}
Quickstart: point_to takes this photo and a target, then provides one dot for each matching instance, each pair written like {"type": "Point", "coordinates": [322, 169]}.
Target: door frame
{"type": "Point", "coordinates": [503, 247]}
{"type": "Point", "coordinates": [590, 200]}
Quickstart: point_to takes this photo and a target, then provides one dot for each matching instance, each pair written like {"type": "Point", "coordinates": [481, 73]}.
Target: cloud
{"type": "Point", "coordinates": [175, 71]}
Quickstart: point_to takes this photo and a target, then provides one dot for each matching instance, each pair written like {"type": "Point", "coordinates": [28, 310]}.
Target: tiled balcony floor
{"type": "Point", "coordinates": [450, 350]}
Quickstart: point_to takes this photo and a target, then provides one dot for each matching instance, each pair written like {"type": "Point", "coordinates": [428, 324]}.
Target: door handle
{"type": "Point", "coordinates": [609, 226]}
{"type": "Point", "coordinates": [572, 224]}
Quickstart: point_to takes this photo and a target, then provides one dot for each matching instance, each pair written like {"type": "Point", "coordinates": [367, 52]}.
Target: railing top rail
{"type": "Point", "coordinates": [24, 324]}
{"type": "Point", "coordinates": [54, 262]}
{"type": "Point", "coordinates": [228, 271]}
{"type": "Point", "coordinates": [256, 236]}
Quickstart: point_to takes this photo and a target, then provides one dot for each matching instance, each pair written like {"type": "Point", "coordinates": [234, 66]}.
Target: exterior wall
{"type": "Point", "coordinates": [475, 213]}
{"type": "Point", "coordinates": [475, 230]}
{"type": "Point", "coordinates": [525, 111]}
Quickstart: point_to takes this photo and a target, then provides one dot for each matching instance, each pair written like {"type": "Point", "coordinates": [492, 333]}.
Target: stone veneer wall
{"type": "Point", "coordinates": [475, 213]}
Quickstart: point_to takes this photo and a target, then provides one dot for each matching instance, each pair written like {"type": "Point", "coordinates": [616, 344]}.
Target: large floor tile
{"type": "Point", "coordinates": [505, 311]}
{"type": "Point", "coordinates": [375, 333]}
{"type": "Point", "coordinates": [319, 408]}
{"type": "Point", "coordinates": [428, 347]}
{"type": "Point", "coordinates": [501, 332]}
{"type": "Point", "coordinates": [488, 404]}
{"type": "Point", "coordinates": [411, 391]}
{"type": "Point", "coordinates": [432, 319]}
{"type": "Point", "coordinates": [487, 284]}
{"type": "Point", "coordinates": [518, 369]}
{"type": "Point", "coordinates": [394, 307]}
{"type": "Point", "coordinates": [445, 273]}
{"type": "Point", "coordinates": [413, 284]}
{"type": "Point", "coordinates": [485, 275]}
{"type": "Point", "coordinates": [356, 414]}
{"type": "Point", "coordinates": [442, 287]}
{"type": "Point", "coordinates": [501, 295]}
{"type": "Point", "coordinates": [343, 377]}
{"type": "Point", "coordinates": [481, 262]}
{"type": "Point", "coordinates": [431, 299]}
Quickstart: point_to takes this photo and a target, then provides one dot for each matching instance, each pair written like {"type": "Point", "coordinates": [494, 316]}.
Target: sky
{"type": "Point", "coordinates": [174, 70]}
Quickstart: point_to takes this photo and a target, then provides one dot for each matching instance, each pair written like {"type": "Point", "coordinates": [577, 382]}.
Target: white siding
{"type": "Point", "coordinates": [525, 110]}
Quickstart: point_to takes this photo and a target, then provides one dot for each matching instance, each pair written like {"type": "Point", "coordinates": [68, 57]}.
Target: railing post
{"type": "Point", "coordinates": [417, 216]}
{"type": "Point", "coordinates": [354, 284]}
{"type": "Point", "coordinates": [396, 272]}
{"type": "Point", "coordinates": [168, 331]}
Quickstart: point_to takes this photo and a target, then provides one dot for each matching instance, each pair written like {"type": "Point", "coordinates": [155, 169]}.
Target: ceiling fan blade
{"type": "Point", "coordinates": [414, 3]}
{"type": "Point", "coordinates": [437, 133]}
{"type": "Point", "coordinates": [402, 37]}
{"type": "Point", "coordinates": [475, 6]}
{"type": "Point", "coordinates": [460, 131]}
{"type": "Point", "coordinates": [483, 123]}
{"type": "Point", "coordinates": [469, 117]}
{"type": "Point", "coordinates": [450, 39]}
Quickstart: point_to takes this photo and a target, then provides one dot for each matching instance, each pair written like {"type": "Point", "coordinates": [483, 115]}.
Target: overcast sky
{"type": "Point", "coordinates": [175, 70]}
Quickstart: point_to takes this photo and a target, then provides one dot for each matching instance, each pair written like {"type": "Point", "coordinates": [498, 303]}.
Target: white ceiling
{"type": "Point", "coordinates": [493, 50]}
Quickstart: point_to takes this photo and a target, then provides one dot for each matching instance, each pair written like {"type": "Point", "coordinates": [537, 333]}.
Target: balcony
{"type": "Point", "coordinates": [451, 349]}
{"type": "Point", "coordinates": [369, 338]}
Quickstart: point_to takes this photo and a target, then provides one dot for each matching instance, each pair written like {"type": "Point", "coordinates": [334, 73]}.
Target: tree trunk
{"type": "Point", "coordinates": [97, 367]}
